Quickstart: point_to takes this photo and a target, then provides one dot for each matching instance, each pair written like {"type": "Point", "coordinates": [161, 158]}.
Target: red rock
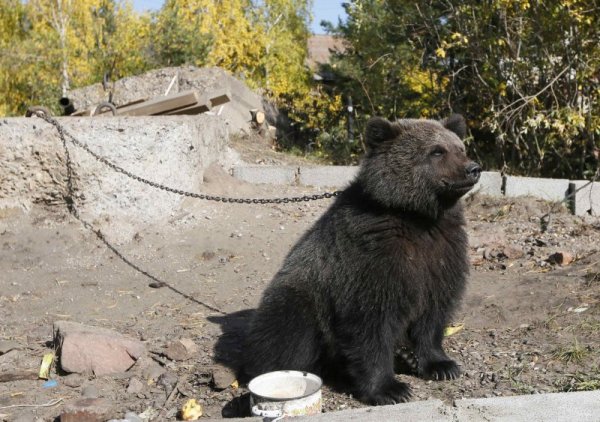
{"type": "Point", "coordinates": [87, 410]}
{"type": "Point", "coordinates": [99, 351]}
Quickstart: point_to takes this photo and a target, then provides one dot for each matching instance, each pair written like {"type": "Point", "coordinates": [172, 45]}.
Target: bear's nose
{"type": "Point", "coordinates": [473, 170]}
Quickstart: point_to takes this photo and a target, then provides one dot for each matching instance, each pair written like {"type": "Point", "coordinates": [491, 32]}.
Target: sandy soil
{"type": "Point", "coordinates": [530, 325]}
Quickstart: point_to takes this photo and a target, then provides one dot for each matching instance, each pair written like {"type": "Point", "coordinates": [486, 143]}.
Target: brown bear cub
{"type": "Point", "coordinates": [383, 268]}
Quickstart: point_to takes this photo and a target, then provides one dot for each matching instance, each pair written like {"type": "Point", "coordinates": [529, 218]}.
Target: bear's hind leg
{"type": "Point", "coordinates": [369, 363]}
{"type": "Point", "coordinates": [283, 335]}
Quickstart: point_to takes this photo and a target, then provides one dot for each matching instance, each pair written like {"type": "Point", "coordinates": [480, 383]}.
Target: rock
{"type": "Point", "coordinates": [149, 369]}
{"type": "Point", "coordinates": [512, 252]}
{"type": "Point", "coordinates": [132, 417]}
{"type": "Point", "coordinates": [85, 349]}
{"type": "Point", "coordinates": [135, 386]}
{"type": "Point", "coordinates": [88, 410]}
{"type": "Point", "coordinates": [222, 377]}
{"type": "Point", "coordinates": [561, 258]}
{"type": "Point", "coordinates": [168, 381]}
{"type": "Point", "coordinates": [129, 417]}
{"type": "Point", "coordinates": [72, 380]}
{"type": "Point", "coordinates": [182, 349]}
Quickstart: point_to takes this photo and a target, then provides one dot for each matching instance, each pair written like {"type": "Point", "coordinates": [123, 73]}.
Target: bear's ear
{"type": "Point", "coordinates": [456, 123]}
{"type": "Point", "coordinates": [379, 130]}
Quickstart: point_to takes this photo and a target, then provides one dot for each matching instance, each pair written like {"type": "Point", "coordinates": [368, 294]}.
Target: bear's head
{"type": "Point", "coordinates": [417, 165]}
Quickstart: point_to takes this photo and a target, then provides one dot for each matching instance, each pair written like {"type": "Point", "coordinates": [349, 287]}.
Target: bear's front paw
{"type": "Point", "coordinates": [392, 392]}
{"type": "Point", "coordinates": [440, 370]}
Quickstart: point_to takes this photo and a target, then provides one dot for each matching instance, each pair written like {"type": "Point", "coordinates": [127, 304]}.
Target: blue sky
{"type": "Point", "coordinates": [328, 10]}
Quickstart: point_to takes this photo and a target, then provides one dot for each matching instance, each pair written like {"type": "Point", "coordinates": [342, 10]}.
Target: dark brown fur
{"type": "Point", "coordinates": [384, 267]}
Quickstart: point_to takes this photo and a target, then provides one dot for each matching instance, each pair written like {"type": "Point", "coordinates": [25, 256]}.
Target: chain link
{"type": "Point", "coordinates": [64, 135]}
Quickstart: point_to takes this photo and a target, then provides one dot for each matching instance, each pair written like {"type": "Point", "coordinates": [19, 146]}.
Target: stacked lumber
{"type": "Point", "coordinates": [187, 102]}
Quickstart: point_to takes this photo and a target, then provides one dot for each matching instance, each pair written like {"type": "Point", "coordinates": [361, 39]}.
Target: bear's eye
{"type": "Point", "coordinates": [438, 152]}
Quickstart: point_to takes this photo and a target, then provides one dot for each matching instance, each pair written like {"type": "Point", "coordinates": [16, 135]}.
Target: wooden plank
{"type": "Point", "coordinates": [161, 105]}
{"type": "Point", "coordinates": [204, 104]}
{"type": "Point", "coordinates": [195, 109]}
{"type": "Point", "coordinates": [219, 98]}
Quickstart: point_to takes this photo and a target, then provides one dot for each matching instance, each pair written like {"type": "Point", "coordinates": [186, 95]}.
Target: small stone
{"type": "Point", "coordinates": [181, 350]}
{"type": "Point", "coordinates": [561, 258]}
{"type": "Point", "coordinates": [135, 386]}
{"type": "Point", "coordinates": [222, 377]}
{"type": "Point", "coordinates": [512, 252]}
{"type": "Point", "coordinates": [72, 380]}
{"type": "Point", "coordinates": [133, 417]}
{"type": "Point", "coordinates": [168, 381]}
{"type": "Point", "coordinates": [151, 370]}
{"type": "Point", "coordinates": [89, 410]}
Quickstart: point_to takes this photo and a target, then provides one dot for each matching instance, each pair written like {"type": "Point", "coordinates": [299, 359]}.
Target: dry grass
{"type": "Point", "coordinates": [575, 353]}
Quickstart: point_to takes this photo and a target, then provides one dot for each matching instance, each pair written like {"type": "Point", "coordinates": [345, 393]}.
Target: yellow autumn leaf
{"type": "Point", "coordinates": [191, 411]}
{"type": "Point", "coordinates": [453, 329]}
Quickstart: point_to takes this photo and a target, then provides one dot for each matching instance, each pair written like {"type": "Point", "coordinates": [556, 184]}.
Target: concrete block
{"type": "Point", "coordinates": [275, 175]}
{"type": "Point", "coordinates": [556, 407]}
{"type": "Point", "coordinates": [587, 199]}
{"type": "Point", "coordinates": [420, 411]}
{"type": "Point", "coordinates": [490, 183]}
{"type": "Point", "coordinates": [548, 189]}
{"type": "Point", "coordinates": [335, 176]}
{"type": "Point", "coordinates": [171, 150]}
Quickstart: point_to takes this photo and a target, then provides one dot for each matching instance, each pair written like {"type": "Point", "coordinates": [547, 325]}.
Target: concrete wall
{"type": "Point", "coordinates": [586, 201]}
{"type": "Point", "coordinates": [173, 151]}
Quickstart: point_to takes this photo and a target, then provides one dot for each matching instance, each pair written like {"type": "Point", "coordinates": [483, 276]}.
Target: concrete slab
{"type": "Point", "coordinates": [420, 411]}
{"type": "Point", "coordinates": [275, 175]}
{"type": "Point", "coordinates": [587, 198]}
{"type": "Point", "coordinates": [327, 176]}
{"type": "Point", "coordinates": [490, 184]}
{"type": "Point", "coordinates": [548, 189]}
{"type": "Point", "coordinates": [555, 407]}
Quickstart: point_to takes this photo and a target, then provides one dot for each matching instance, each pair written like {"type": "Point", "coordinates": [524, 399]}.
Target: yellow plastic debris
{"type": "Point", "coordinates": [235, 384]}
{"type": "Point", "coordinates": [191, 411]}
{"type": "Point", "coordinates": [46, 364]}
{"type": "Point", "coordinates": [453, 329]}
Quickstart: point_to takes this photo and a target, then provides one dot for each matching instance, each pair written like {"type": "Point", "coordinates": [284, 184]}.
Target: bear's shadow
{"type": "Point", "coordinates": [229, 352]}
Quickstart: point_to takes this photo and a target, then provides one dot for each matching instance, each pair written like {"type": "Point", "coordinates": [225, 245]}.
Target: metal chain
{"type": "Point", "coordinates": [62, 132]}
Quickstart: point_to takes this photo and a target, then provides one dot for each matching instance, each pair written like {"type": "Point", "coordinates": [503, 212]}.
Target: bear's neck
{"type": "Point", "coordinates": [381, 199]}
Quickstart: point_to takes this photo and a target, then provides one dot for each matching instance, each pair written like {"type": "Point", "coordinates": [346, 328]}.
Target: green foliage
{"type": "Point", "coordinates": [51, 46]}
{"type": "Point", "coordinates": [176, 38]}
{"type": "Point", "coordinates": [524, 72]}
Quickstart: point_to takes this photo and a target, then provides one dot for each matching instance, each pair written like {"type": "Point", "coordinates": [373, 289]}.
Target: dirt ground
{"type": "Point", "coordinates": [531, 325]}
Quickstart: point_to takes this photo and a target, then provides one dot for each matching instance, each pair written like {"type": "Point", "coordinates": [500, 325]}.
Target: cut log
{"type": "Point", "coordinates": [258, 116]}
